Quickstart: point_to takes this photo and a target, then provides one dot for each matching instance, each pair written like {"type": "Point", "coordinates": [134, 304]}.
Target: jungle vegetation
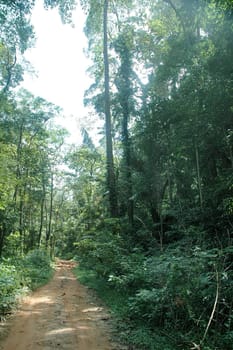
{"type": "Point", "coordinates": [148, 211]}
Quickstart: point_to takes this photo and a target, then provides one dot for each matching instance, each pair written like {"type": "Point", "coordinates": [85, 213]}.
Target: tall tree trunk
{"type": "Point", "coordinates": [41, 213]}
{"type": "Point", "coordinates": [48, 233]}
{"type": "Point", "coordinates": [18, 160]}
{"type": "Point", "coordinates": [124, 88]}
{"type": "Point", "coordinates": [111, 179]}
{"type": "Point", "coordinates": [21, 223]}
{"type": "Point", "coordinates": [126, 142]}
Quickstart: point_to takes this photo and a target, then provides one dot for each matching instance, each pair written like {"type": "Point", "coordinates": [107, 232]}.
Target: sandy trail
{"type": "Point", "coordinates": [60, 315]}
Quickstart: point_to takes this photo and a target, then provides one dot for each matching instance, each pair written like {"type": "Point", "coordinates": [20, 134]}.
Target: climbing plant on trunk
{"type": "Point", "coordinates": [111, 180]}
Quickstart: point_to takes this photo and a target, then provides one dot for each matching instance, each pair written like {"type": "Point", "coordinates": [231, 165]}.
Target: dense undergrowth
{"type": "Point", "coordinates": [19, 275]}
{"type": "Point", "coordinates": [177, 298]}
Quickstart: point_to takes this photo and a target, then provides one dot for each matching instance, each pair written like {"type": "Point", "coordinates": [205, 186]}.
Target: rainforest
{"type": "Point", "coordinates": [145, 214]}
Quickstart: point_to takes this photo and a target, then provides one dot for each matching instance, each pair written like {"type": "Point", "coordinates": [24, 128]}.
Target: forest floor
{"type": "Point", "coordinates": [61, 315]}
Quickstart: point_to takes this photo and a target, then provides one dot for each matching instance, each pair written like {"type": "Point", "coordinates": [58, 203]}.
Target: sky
{"type": "Point", "coordinates": [60, 64]}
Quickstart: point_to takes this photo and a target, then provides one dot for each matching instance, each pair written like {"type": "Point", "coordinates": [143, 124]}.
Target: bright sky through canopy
{"type": "Point", "coordinates": [60, 64]}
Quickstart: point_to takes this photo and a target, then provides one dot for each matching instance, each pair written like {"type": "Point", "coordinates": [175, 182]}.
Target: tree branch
{"type": "Point", "coordinates": [169, 2]}
{"type": "Point", "coordinates": [214, 308]}
{"type": "Point", "coordinates": [198, 346]}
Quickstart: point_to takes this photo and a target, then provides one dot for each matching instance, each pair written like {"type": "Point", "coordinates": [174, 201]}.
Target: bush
{"type": "Point", "coordinates": [102, 252]}
{"type": "Point", "coordinates": [12, 285]}
{"type": "Point", "coordinates": [172, 292]}
{"type": "Point", "coordinates": [181, 291]}
{"type": "Point", "coordinates": [37, 267]}
{"type": "Point", "coordinates": [146, 339]}
{"type": "Point", "coordinates": [18, 276]}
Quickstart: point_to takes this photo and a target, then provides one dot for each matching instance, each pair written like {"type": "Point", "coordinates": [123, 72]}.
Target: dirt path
{"type": "Point", "coordinates": [60, 315]}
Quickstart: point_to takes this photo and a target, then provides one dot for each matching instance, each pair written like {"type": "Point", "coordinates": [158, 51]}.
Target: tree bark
{"type": "Point", "coordinates": [48, 233]}
{"type": "Point", "coordinates": [124, 88]}
{"type": "Point", "coordinates": [2, 236]}
{"type": "Point", "coordinates": [111, 180]}
{"type": "Point", "coordinates": [198, 176]}
{"type": "Point", "coordinates": [41, 213]}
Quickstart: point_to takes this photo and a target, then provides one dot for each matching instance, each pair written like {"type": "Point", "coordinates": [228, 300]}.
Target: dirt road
{"type": "Point", "coordinates": [60, 315]}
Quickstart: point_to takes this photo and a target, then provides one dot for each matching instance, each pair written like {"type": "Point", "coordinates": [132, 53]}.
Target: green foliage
{"type": "Point", "coordinates": [172, 292]}
{"type": "Point", "coordinates": [28, 157]}
{"type": "Point", "coordinates": [18, 276]}
{"type": "Point", "coordinates": [171, 77]}
{"type": "Point", "coordinates": [37, 267]}
{"type": "Point", "coordinates": [116, 300]}
{"type": "Point", "coordinates": [171, 84]}
{"type": "Point", "coordinates": [144, 338]}
{"type": "Point", "coordinates": [181, 292]}
{"type": "Point", "coordinates": [11, 287]}
{"type": "Point", "coordinates": [102, 251]}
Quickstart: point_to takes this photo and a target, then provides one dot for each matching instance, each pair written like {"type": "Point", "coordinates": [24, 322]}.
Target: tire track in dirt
{"type": "Point", "coordinates": [60, 315]}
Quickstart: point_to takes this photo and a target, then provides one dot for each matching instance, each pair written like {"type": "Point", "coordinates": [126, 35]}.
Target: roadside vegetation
{"type": "Point", "coordinates": [19, 275]}
{"type": "Point", "coordinates": [163, 300]}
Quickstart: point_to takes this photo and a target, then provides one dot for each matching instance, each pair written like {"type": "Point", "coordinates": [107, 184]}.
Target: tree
{"type": "Point", "coordinates": [123, 46]}
{"type": "Point", "coordinates": [26, 161]}
{"type": "Point", "coordinates": [84, 200]}
{"type": "Point", "coordinates": [17, 36]}
{"type": "Point", "coordinates": [100, 48]}
{"type": "Point", "coordinates": [108, 125]}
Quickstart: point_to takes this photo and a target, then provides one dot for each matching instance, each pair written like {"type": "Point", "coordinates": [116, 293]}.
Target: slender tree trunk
{"type": "Point", "coordinates": [124, 95]}
{"type": "Point", "coordinates": [48, 233]}
{"type": "Point", "coordinates": [18, 189]}
{"type": "Point", "coordinates": [2, 236]}
{"type": "Point", "coordinates": [21, 236]}
{"type": "Point", "coordinates": [18, 159]}
{"type": "Point", "coordinates": [198, 176]}
{"type": "Point", "coordinates": [130, 202]}
{"type": "Point", "coordinates": [31, 230]}
{"type": "Point", "coordinates": [170, 182]}
{"type": "Point", "coordinates": [41, 214]}
{"type": "Point", "coordinates": [111, 180]}
{"type": "Point", "coordinates": [41, 221]}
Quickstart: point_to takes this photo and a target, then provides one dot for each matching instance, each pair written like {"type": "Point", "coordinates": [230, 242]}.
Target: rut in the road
{"type": "Point", "coordinates": [60, 315]}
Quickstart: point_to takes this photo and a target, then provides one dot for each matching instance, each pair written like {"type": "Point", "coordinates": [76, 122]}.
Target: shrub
{"type": "Point", "coordinates": [12, 285]}
{"type": "Point", "coordinates": [173, 291]}
{"type": "Point", "coordinates": [181, 291]}
{"type": "Point", "coordinates": [18, 276]}
{"type": "Point", "coordinates": [37, 267]}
